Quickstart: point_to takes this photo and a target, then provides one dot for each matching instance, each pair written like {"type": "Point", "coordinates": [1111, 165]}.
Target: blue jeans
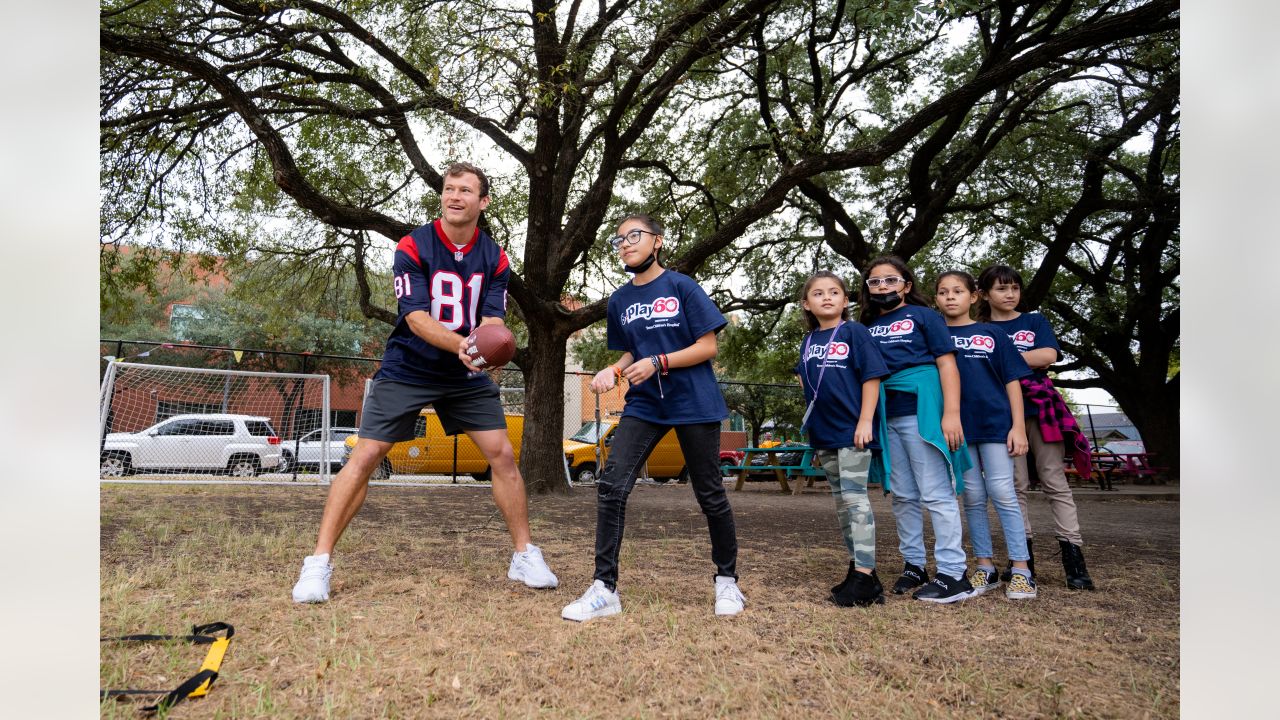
{"type": "Point", "coordinates": [920, 477]}
{"type": "Point", "coordinates": [632, 442]}
{"type": "Point", "coordinates": [992, 476]}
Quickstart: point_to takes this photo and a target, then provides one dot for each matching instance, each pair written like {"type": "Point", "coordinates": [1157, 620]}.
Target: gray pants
{"type": "Point", "coordinates": [1049, 458]}
{"type": "Point", "coordinates": [847, 470]}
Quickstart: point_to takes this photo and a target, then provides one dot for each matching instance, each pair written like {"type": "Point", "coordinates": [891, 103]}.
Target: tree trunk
{"type": "Point", "coordinates": [1154, 411]}
{"type": "Point", "coordinates": [542, 445]}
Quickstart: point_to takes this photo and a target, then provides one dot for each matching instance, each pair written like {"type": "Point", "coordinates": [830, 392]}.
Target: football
{"type": "Point", "coordinates": [491, 346]}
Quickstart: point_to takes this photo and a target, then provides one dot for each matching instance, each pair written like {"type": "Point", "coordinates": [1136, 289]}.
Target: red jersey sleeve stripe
{"type": "Point", "coordinates": [410, 248]}
{"type": "Point", "coordinates": [502, 262]}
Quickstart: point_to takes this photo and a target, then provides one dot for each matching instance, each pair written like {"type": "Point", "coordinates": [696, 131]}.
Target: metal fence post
{"type": "Point", "coordinates": [455, 459]}
{"type": "Point", "coordinates": [1092, 429]}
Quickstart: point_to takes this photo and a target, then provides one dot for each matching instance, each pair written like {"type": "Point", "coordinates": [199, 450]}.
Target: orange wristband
{"type": "Point", "coordinates": [617, 372]}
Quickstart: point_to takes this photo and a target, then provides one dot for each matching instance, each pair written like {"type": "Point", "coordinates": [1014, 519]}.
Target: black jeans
{"type": "Point", "coordinates": [632, 443]}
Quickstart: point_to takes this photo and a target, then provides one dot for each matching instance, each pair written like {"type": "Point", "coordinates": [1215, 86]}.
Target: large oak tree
{"type": "Point", "coordinates": [304, 127]}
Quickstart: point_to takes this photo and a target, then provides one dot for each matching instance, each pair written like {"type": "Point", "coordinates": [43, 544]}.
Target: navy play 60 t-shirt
{"type": "Point", "coordinates": [987, 361]}
{"type": "Point", "coordinates": [663, 316]}
{"type": "Point", "coordinates": [850, 359]}
{"type": "Point", "coordinates": [909, 335]}
{"type": "Point", "coordinates": [1030, 331]}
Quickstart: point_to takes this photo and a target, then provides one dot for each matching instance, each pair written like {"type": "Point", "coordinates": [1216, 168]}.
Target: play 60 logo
{"type": "Point", "coordinates": [663, 307]}
{"type": "Point", "coordinates": [1024, 338]}
{"type": "Point", "coordinates": [898, 327]}
{"type": "Point", "coordinates": [985, 343]}
{"type": "Point", "coordinates": [839, 351]}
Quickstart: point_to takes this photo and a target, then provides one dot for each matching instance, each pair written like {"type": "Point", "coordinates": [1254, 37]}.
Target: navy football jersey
{"type": "Point", "coordinates": [458, 287]}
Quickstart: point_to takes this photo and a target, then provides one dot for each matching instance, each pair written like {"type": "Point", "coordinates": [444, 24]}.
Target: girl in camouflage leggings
{"type": "Point", "coordinates": [840, 369]}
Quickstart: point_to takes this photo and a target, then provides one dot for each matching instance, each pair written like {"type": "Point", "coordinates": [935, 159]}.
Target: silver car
{"type": "Point", "coordinates": [306, 451]}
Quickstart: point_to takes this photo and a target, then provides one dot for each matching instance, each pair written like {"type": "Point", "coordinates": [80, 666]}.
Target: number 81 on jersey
{"type": "Point", "coordinates": [449, 295]}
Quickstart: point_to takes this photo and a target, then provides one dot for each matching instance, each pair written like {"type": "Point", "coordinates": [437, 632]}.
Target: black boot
{"type": "Point", "coordinates": [847, 579]}
{"type": "Point", "coordinates": [1073, 564]}
{"type": "Point", "coordinates": [862, 590]}
{"type": "Point", "coordinates": [912, 578]}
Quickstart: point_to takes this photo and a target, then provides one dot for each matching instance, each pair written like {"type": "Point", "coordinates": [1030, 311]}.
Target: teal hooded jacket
{"type": "Point", "coordinates": [924, 383]}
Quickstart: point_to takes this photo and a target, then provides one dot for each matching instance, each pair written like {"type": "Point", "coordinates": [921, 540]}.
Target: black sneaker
{"type": "Point", "coordinates": [847, 579]}
{"type": "Point", "coordinates": [945, 589]}
{"type": "Point", "coordinates": [912, 577]}
{"type": "Point", "coordinates": [862, 591]}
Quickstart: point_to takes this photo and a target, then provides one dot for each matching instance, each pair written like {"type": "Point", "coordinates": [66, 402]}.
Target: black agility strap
{"type": "Point", "coordinates": [194, 686]}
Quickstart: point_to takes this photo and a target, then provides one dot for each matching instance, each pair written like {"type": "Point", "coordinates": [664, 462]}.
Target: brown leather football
{"type": "Point", "coordinates": [491, 346]}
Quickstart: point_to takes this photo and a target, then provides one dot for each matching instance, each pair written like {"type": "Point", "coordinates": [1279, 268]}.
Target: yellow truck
{"type": "Point", "coordinates": [431, 452]}
{"type": "Point", "coordinates": [666, 461]}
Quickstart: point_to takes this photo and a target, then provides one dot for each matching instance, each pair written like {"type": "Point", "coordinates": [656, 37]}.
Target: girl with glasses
{"type": "Point", "coordinates": [925, 448]}
{"type": "Point", "coordinates": [665, 326]}
{"type": "Point", "coordinates": [1051, 428]}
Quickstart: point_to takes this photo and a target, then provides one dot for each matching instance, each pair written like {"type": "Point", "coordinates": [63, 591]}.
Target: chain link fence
{"type": "Point", "coordinates": [760, 414]}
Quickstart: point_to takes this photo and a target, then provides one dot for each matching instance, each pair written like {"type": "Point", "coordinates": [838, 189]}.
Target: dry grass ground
{"type": "Point", "coordinates": [424, 623]}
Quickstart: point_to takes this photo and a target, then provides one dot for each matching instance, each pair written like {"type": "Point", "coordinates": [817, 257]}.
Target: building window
{"type": "Point", "coordinates": [736, 423]}
{"type": "Point", "coordinates": [182, 319]}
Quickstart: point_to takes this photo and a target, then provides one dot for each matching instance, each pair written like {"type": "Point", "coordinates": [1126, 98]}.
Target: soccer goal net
{"type": "Point", "coordinates": [175, 421]}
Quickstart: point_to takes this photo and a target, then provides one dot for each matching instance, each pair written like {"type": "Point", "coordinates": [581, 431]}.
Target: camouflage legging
{"type": "Point", "coordinates": [846, 471]}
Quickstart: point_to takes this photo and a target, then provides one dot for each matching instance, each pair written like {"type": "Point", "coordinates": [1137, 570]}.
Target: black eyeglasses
{"type": "Point", "coordinates": [892, 281]}
{"type": "Point", "coordinates": [630, 238]}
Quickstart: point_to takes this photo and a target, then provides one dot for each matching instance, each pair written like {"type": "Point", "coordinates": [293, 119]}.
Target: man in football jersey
{"type": "Point", "coordinates": [449, 277]}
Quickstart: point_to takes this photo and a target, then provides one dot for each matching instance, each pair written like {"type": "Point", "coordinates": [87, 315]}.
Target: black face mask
{"type": "Point", "coordinates": [644, 265]}
{"type": "Point", "coordinates": [885, 301]}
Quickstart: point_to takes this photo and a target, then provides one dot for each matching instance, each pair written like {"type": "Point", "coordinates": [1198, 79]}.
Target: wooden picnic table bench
{"type": "Point", "coordinates": [803, 468]}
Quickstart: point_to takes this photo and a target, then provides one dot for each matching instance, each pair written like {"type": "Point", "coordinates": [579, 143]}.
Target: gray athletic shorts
{"type": "Point", "coordinates": [391, 409]}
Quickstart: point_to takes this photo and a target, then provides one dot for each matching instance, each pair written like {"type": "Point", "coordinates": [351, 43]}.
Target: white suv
{"type": "Point", "coordinates": [241, 445]}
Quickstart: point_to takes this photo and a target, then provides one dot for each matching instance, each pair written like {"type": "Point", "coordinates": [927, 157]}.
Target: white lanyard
{"type": "Point", "coordinates": [826, 353]}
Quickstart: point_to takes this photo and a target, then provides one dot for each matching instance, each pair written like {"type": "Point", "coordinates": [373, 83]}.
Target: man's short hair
{"type": "Point", "coordinates": [458, 168]}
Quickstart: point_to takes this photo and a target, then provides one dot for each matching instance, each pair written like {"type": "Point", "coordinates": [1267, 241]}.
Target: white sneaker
{"type": "Point", "coordinates": [313, 583]}
{"type": "Point", "coordinates": [597, 602]}
{"type": "Point", "coordinates": [729, 599]}
{"type": "Point", "coordinates": [529, 568]}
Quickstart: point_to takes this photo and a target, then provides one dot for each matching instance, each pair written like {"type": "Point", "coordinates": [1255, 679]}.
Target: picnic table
{"type": "Point", "coordinates": [801, 469]}
{"type": "Point", "coordinates": [1110, 467]}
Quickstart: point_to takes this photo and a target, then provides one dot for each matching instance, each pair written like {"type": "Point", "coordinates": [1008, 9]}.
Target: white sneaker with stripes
{"type": "Point", "coordinates": [597, 602]}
